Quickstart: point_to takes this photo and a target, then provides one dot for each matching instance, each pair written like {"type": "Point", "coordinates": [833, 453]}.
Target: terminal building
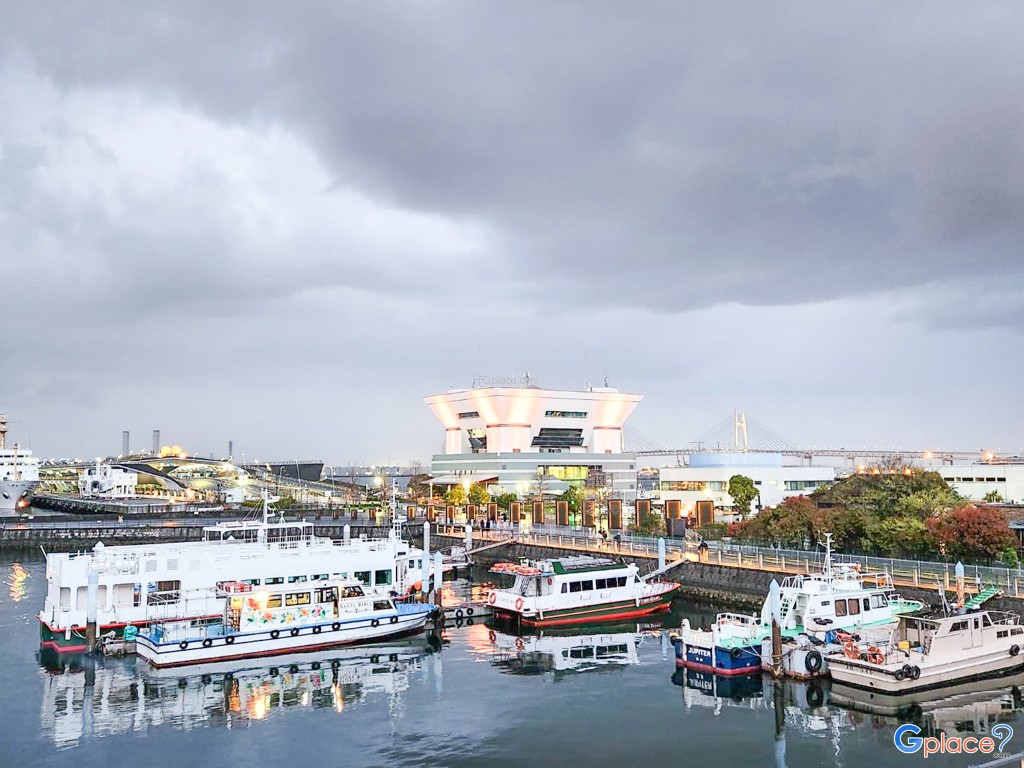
{"type": "Point", "coordinates": [506, 436]}
{"type": "Point", "coordinates": [706, 477]}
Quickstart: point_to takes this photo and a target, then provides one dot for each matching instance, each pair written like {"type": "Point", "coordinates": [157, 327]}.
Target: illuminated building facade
{"type": "Point", "coordinates": [504, 436]}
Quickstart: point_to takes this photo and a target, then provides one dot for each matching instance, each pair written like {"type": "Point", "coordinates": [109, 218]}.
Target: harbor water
{"type": "Point", "coordinates": [480, 695]}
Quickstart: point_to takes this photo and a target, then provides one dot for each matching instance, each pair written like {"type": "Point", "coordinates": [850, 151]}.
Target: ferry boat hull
{"type": "Point", "coordinates": [881, 680]}
{"type": "Point", "coordinates": [14, 491]}
{"type": "Point", "coordinates": [408, 620]}
{"type": "Point", "coordinates": [622, 609]}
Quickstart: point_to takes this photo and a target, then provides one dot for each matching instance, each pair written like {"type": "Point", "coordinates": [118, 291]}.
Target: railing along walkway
{"type": "Point", "coordinates": [919, 574]}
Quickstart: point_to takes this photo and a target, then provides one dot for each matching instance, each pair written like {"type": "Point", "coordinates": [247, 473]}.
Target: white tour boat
{"type": "Point", "coordinates": [577, 590]}
{"type": "Point", "coordinates": [19, 473]}
{"type": "Point", "coordinates": [926, 653]}
{"type": "Point", "coordinates": [538, 654]}
{"type": "Point", "coordinates": [286, 620]}
{"type": "Point", "coordinates": [137, 584]}
{"type": "Point", "coordinates": [838, 600]}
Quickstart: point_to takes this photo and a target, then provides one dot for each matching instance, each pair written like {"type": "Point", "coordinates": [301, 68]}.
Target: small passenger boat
{"type": "Point", "coordinates": [271, 623]}
{"type": "Point", "coordinates": [929, 653]}
{"type": "Point", "coordinates": [577, 590]}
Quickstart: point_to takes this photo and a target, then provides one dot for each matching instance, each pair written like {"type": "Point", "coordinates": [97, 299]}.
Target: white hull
{"type": "Point", "coordinates": [248, 645]}
{"type": "Point", "coordinates": [872, 677]}
{"type": "Point", "coordinates": [13, 490]}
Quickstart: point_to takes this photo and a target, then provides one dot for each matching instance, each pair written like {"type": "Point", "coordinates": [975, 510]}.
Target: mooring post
{"type": "Point", "coordinates": [92, 591]}
{"type": "Point", "coordinates": [438, 577]}
{"type": "Point", "coordinates": [774, 594]}
{"type": "Point", "coordinates": [661, 554]}
{"type": "Point", "coordinates": [347, 533]}
{"type": "Point", "coordinates": [469, 536]}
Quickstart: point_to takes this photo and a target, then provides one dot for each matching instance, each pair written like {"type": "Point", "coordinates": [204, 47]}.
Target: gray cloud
{"type": "Point", "coordinates": [372, 191]}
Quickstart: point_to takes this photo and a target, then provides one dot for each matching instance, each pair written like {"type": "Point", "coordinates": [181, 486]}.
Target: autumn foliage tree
{"type": "Point", "coordinates": [972, 533]}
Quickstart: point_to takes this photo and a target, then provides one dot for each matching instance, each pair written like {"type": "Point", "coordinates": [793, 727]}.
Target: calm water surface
{"type": "Point", "coordinates": [599, 697]}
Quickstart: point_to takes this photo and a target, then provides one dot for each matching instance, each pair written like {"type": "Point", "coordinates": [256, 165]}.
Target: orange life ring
{"type": "Point", "coordinates": [519, 603]}
{"type": "Point", "coordinates": [875, 655]}
{"type": "Point", "coordinates": [492, 598]}
{"type": "Point", "coordinates": [519, 643]}
{"type": "Point", "coordinates": [550, 582]}
{"type": "Point", "coordinates": [851, 650]}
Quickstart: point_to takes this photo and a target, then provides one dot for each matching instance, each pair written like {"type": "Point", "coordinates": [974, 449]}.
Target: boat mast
{"type": "Point", "coordinates": [828, 557]}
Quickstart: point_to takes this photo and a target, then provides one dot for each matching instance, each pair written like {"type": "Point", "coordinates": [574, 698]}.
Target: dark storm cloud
{"type": "Point", "coordinates": [357, 191]}
{"type": "Point", "coordinates": [670, 151]}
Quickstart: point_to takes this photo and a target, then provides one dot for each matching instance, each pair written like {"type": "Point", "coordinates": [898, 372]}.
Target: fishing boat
{"type": "Point", "coordinates": [137, 584]}
{"type": "Point", "coordinates": [281, 621]}
{"type": "Point", "coordinates": [929, 653]}
{"type": "Point", "coordinates": [821, 607]}
{"type": "Point", "coordinates": [576, 590]}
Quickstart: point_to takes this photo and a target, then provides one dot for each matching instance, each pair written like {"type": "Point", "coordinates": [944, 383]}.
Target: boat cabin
{"type": "Point", "coordinates": [953, 634]}
{"type": "Point", "coordinates": [567, 576]}
{"type": "Point", "coordinates": [248, 610]}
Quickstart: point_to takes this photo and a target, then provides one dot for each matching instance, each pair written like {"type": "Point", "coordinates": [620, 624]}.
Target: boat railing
{"type": "Point", "coordinates": [1004, 617]}
{"type": "Point", "coordinates": [736, 619]}
{"type": "Point", "coordinates": [793, 582]}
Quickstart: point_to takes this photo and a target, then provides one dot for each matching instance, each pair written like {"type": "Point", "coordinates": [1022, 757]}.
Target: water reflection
{"type": "Point", "coordinates": [16, 583]}
{"type": "Point", "coordinates": [86, 697]}
{"type": "Point", "coordinates": [561, 652]}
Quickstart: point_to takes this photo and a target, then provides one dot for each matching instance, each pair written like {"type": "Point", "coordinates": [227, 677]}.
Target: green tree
{"type": "Point", "coordinates": [896, 536]}
{"type": "Point", "coordinates": [574, 495]}
{"type": "Point", "coordinates": [743, 492]}
{"type": "Point", "coordinates": [651, 524]}
{"type": "Point", "coordinates": [456, 494]}
{"type": "Point", "coordinates": [504, 500]}
{"type": "Point", "coordinates": [478, 495]}
{"type": "Point", "coordinates": [993, 497]}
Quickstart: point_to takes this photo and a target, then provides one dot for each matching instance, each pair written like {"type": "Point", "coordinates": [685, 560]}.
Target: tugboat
{"type": "Point", "coordinates": [576, 590]}
{"type": "Point", "coordinates": [824, 607]}
{"type": "Point", "coordinates": [925, 654]}
{"type": "Point", "coordinates": [271, 623]}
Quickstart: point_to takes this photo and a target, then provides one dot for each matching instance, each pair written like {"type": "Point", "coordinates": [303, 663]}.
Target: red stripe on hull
{"type": "Point", "coordinates": [53, 646]}
{"type": "Point", "coordinates": [594, 618]}
{"type": "Point", "coordinates": [286, 651]}
{"type": "Point", "coordinates": [717, 670]}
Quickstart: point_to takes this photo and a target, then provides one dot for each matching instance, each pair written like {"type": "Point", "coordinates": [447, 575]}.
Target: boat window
{"type": "Point", "coordinates": [328, 595]}
{"type": "Point", "coordinates": [320, 577]}
{"type": "Point", "coordinates": [611, 650]}
{"type": "Point", "coordinates": [381, 605]}
{"type": "Point", "coordinates": [958, 626]}
{"type": "Point", "coordinates": [876, 601]}
{"type": "Point", "coordinates": [296, 579]}
{"type": "Point", "coordinates": [164, 592]}
{"type": "Point", "coordinates": [867, 604]}
{"type": "Point", "coordinates": [124, 595]}
{"type": "Point", "coordinates": [251, 582]}
{"type": "Point", "coordinates": [352, 592]}
{"type": "Point", "coordinates": [602, 583]}
{"type": "Point", "coordinates": [363, 576]}
{"type": "Point", "coordinates": [275, 580]}
{"type": "Point", "coordinates": [587, 585]}
{"type": "Point", "coordinates": [296, 598]}
{"type": "Point", "coordinates": [1002, 633]}
{"type": "Point", "coordinates": [976, 624]}
{"type": "Point", "coordinates": [854, 606]}
{"type": "Point", "coordinates": [826, 602]}
{"type": "Point", "coordinates": [1017, 631]}
{"type": "Point", "coordinates": [986, 621]}
{"type": "Point", "coordinates": [581, 653]}
{"type": "Point", "coordinates": [575, 586]}
{"type": "Point", "coordinates": [565, 587]}
{"type": "Point", "coordinates": [81, 598]}
{"type": "Point", "coordinates": [621, 581]}
{"type": "Point", "coordinates": [840, 607]}
{"type": "Point", "coordinates": [274, 601]}
{"type": "Point", "coordinates": [382, 577]}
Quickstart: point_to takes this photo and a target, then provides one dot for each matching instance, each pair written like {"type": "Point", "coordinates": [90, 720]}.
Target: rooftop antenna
{"type": "Point", "coordinates": [606, 380]}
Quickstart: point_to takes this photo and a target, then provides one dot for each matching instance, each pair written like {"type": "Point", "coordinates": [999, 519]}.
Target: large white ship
{"type": "Point", "coordinates": [19, 473]}
{"type": "Point", "coordinates": [140, 584]}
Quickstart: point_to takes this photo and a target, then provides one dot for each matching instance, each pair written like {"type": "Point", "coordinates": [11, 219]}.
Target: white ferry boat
{"type": "Point", "coordinates": [539, 654]}
{"type": "Point", "coordinates": [838, 600]}
{"type": "Point", "coordinates": [925, 654]}
{"type": "Point", "coordinates": [19, 473]}
{"type": "Point", "coordinates": [276, 622]}
{"type": "Point", "coordinates": [577, 590]}
{"type": "Point", "coordinates": [138, 584]}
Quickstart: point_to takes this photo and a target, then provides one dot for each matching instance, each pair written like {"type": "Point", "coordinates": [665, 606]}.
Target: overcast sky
{"type": "Point", "coordinates": [284, 225]}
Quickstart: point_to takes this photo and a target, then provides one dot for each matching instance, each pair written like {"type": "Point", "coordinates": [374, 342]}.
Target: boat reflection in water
{"type": "Point", "coordinates": [966, 708]}
{"type": "Point", "coordinates": [85, 697]}
{"type": "Point", "coordinates": [563, 651]}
